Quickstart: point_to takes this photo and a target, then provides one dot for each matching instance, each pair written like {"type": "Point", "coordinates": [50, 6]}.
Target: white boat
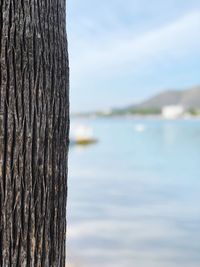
{"type": "Point", "coordinates": [82, 135]}
{"type": "Point", "coordinates": [140, 128]}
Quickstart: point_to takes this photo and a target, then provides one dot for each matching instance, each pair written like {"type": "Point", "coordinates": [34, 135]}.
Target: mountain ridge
{"type": "Point", "coordinates": [188, 98]}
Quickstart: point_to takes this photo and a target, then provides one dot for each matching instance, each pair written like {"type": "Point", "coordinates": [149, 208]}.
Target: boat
{"type": "Point", "coordinates": [140, 128]}
{"type": "Point", "coordinates": [82, 135]}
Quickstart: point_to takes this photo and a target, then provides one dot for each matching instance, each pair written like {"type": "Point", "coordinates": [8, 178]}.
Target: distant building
{"type": "Point", "coordinates": [172, 112]}
{"type": "Point", "coordinates": [106, 112]}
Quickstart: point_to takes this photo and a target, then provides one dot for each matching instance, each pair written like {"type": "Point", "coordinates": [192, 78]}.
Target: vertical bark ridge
{"type": "Point", "coordinates": [34, 126]}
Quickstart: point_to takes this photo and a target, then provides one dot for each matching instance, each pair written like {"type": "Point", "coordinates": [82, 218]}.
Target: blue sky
{"type": "Point", "coordinates": [123, 51]}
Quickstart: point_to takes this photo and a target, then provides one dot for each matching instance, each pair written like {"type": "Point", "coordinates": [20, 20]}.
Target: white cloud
{"type": "Point", "coordinates": [174, 41]}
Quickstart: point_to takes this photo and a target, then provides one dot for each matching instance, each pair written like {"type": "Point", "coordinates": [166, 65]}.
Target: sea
{"type": "Point", "coordinates": [134, 197]}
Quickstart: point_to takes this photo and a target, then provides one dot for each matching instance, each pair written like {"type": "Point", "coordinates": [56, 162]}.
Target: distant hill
{"type": "Point", "coordinates": [189, 98]}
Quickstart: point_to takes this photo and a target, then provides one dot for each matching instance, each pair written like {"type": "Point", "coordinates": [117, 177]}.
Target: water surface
{"type": "Point", "coordinates": [134, 198]}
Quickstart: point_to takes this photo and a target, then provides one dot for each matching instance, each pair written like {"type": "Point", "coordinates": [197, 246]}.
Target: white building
{"type": "Point", "coordinates": [172, 112]}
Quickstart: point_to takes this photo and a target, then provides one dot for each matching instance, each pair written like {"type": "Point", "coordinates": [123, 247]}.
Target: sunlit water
{"type": "Point", "coordinates": [134, 198]}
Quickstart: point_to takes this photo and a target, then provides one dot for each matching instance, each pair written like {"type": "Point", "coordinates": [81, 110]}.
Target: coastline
{"type": "Point", "coordinates": [136, 117]}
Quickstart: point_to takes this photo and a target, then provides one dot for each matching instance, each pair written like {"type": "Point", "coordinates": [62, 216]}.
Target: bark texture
{"type": "Point", "coordinates": [34, 123]}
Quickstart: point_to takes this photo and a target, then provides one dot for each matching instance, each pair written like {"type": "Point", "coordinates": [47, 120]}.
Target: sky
{"type": "Point", "coordinates": [123, 51]}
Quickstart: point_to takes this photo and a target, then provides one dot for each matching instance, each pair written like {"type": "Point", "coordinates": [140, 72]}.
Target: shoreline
{"type": "Point", "coordinates": [133, 117]}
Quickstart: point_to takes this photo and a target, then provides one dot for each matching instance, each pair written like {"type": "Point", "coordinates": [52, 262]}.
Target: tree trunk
{"type": "Point", "coordinates": [34, 123]}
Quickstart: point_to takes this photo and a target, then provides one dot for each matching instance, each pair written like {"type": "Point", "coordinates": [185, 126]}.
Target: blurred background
{"type": "Point", "coordinates": [134, 176]}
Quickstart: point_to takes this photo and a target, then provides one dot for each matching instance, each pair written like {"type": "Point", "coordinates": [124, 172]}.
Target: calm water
{"type": "Point", "coordinates": [134, 198]}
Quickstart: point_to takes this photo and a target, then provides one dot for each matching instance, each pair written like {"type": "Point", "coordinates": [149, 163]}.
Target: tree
{"type": "Point", "coordinates": [34, 123]}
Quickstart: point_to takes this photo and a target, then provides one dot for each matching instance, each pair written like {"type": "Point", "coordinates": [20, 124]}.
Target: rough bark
{"type": "Point", "coordinates": [34, 127]}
